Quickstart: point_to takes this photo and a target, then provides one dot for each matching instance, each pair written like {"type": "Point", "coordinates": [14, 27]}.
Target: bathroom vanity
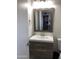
{"type": "Point", "coordinates": [41, 40]}
{"type": "Point", "coordinates": [41, 47]}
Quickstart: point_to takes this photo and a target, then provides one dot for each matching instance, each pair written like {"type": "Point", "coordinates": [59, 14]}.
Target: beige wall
{"type": "Point", "coordinates": [57, 22]}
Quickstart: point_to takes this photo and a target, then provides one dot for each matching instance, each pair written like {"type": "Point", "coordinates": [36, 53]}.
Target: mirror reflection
{"type": "Point", "coordinates": [43, 20]}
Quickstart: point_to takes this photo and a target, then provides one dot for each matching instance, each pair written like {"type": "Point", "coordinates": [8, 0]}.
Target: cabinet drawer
{"type": "Point", "coordinates": [41, 46]}
{"type": "Point", "coordinates": [41, 54]}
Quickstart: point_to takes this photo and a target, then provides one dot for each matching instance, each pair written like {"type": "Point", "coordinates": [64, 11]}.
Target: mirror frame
{"type": "Point", "coordinates": [52, 17]}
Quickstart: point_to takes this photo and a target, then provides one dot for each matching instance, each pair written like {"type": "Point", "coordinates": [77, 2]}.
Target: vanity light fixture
{"type": "Point", "coordinates": [39, 5]}
{"type": "Point", "coordinates": [43, 4]}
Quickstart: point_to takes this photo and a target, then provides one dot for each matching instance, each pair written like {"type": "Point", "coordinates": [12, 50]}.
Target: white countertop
{"type": "Point", "coordinates": [40, 38]}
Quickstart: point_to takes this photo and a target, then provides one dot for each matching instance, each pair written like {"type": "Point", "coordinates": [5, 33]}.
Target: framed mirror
{"type": "Point", "coordinates": [43, 20]}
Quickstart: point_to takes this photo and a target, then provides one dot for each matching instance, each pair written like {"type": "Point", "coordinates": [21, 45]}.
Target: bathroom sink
{"type": "Point", "coordinates": [45, 38]}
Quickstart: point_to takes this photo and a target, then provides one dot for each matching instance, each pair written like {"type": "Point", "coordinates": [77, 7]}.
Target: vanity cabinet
{"type": "Point", "coordinates": [41, 50]}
